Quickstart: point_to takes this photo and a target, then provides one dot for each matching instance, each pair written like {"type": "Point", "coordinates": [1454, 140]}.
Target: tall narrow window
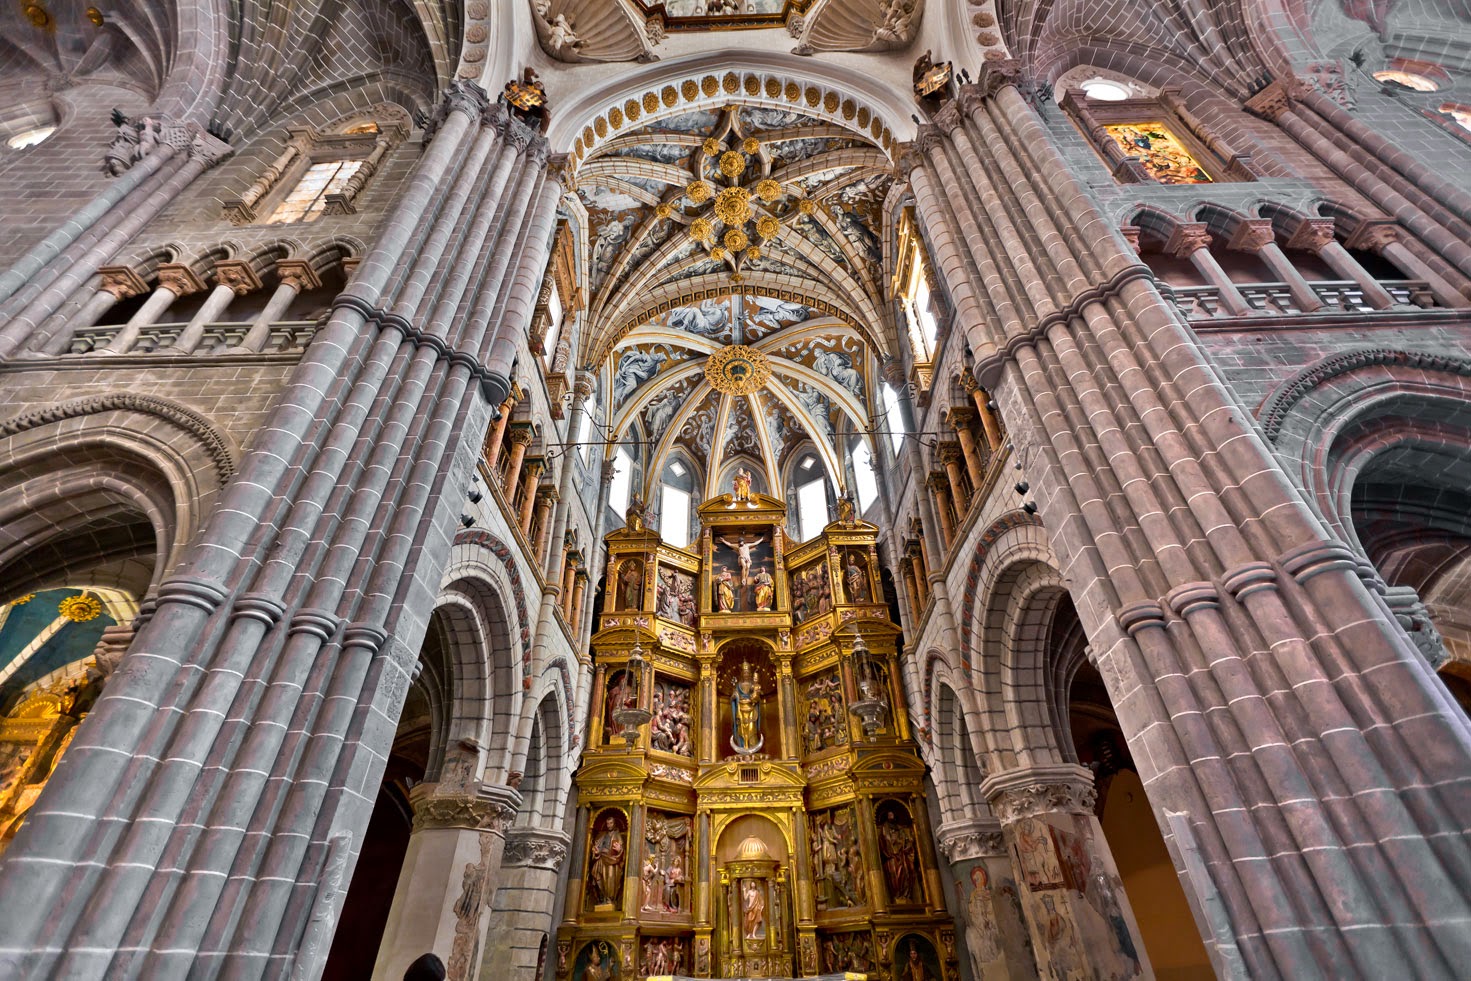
{"type": "Point", "coordinates": [812, 508]}
{"type": "Point", "coordinates": [554, 326]}
{"type": "Point", "coordinates": [894, 413]}
{"type": "Point", "coordinates": [308, 199]}
{"type": "Point", "coordinates": [622, 484]}
{"type": "Point", "coordinates": [865, 483]}
{"type": "Point", "coordinates": [584, 436]}
{"type": "Point", "coordinates": [674, 516]}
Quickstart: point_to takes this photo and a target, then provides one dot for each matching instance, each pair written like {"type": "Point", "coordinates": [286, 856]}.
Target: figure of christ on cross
{"type": "Point", "coordinates": [742, 547]}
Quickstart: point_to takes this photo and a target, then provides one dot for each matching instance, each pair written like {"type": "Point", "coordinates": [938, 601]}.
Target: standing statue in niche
{"type": "Point", "coordinates": [605, 878]}
{"type": "Point", "coordinates": [753, 906]}
{"type": "Point", "coordinates": [856, 579]}
{"type": "Point", "coordinates": [631, 582]}
{"type": "Point", "coordinates": [745, 713]}
{"type": "Point", "coordinates": [725, 594]}
{"type": "Point", "coordinates": [901, 864]}
{"type": "Point", "coordinates": [765, 590]}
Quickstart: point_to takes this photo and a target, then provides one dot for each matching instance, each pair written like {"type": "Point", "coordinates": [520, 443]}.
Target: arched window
{"type": "Point", "coordinates": [864, 481]}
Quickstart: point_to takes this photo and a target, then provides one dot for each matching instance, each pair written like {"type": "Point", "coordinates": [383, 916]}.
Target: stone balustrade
{"type": "Point", "coordinates": [1276, 300]}
{"type": "Point", "coordinates": [284, 337]}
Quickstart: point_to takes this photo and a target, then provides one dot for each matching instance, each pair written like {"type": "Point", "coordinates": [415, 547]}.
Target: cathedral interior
{"type": "Point", "coordinates": [594, 490]}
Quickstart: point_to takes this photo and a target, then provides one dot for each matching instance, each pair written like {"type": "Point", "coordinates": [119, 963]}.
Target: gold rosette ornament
{"type": "Point", "coordinates": [768, 190]}
{"type": "Point", "coordinates": [750, 144]}
{"type": "Point", "coordinates": [701, 230]}
{"type": "Point", "coordinates": [80, 609]}
{"type": "Point", "coordinates": [718, 253]}
{"type": "Point", "coordinates": [711, 146]}
{"type": "Point", "coordinates": [733, 205]}
{"type": "Point", "coordinates": [735, 240]}
{"type": "Point", "coordinates": [732, 163]}
{"type": "Point", "coordinates": [767, 226]}
{"type": "Point", "coordinates": [698, 191]}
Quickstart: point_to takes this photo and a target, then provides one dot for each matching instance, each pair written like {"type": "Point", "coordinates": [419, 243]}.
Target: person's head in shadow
{"type": "Point", "coordinates": [427, 968]}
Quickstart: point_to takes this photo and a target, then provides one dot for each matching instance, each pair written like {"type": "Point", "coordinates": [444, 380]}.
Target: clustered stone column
{"type": "Point", "coordinates": [224, 836]}
{"type": "Point", "coordinates": [1249, 654]}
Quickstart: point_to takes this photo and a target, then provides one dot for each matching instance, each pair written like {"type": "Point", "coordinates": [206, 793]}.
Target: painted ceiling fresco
{"type": "Point", "coordinates": [742, 225]}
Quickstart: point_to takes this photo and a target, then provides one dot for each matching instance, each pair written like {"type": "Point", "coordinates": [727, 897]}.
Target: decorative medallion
{"type": "Point", "coordinates": [737, 370]}
{"type": "Point", "coordinates": [80, 609]}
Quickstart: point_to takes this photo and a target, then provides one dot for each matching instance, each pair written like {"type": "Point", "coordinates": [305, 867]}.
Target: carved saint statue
{"type": "Point", "coordinates": [742, 486]}
{"type": "Point", "coordinates": [856, 579]}
{"type": "Point", "coordinates": [765, 589]}
{"type": "Point", "coordinates": [605, 878]}
{"type": "Point", "coordinates": [847, 516]}
{"type": "Point", "coordinates": [753, 910]}
{"type": "Point", "coordinates": [725, 595]}
{"type": "Point", "coordinates": [745, 712]}
{"type": "Point", "coordinates": [631, 583]}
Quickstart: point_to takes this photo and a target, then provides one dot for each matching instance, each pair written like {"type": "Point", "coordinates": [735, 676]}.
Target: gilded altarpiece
{"type": "Point", "coordinates": [751, 803]}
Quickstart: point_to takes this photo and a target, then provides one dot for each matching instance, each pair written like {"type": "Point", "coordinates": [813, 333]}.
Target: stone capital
{"type": "Point", "coordinates": [1271, 102]}
{"type": "Point", "coordinates": [994, 75]}
{"type": "Point", "coordinates": [1312, 234]}
{"type": "Point", "coordinates": [1252, 235]}
{"type": "Point", "coordinates": [298, 274]}
{"type": "Point", "coordinates": [960, 415]}
{"type": "Point", "coordinates": [179, 279]}
{"type": "Point", "coordinates": [492, 809]}
{"type": "Point", "coordinates": [970, 840]}
{"type": "Point", "coordinates": [948, 116]}
{"type": "Point", "coordinates": [1188, 238]}
{"type": "Point", "coordinates": [237, 274]}
{"type": "Point", "coordinates": [1057, 787]}
{"type": "Point", "coordinates": [1131, 235]}
{"type": "Point", "coordinates": [535, 847]}
{"type": "Point", "coordinates": [122, 282]}
{"type": "Point", "coordinates": [1373, 234]}
{"type": "Point", "coordinates": [208, 149]}
{"type": "Point", "coordinates": [521, 434]}
{"type": "Point", "coordinates": [951, 453]}
{"type": "Point", "coordinates": [929, 137]}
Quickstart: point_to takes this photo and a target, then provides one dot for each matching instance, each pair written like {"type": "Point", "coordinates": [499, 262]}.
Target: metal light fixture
{"type": "Point", "coordinates": [631, 716]}
{"type": "Point", "coordinates": [871, 708]}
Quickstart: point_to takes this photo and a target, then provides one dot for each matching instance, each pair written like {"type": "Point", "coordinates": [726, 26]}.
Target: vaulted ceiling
{"type": "Point", "coordinates": [737, 232]}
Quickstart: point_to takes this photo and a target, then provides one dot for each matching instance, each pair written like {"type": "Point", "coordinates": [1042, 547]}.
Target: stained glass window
{"type": "Point", "coordinates": [308, 199]}
{"type": "Point", "coordinates": [1160, 151]}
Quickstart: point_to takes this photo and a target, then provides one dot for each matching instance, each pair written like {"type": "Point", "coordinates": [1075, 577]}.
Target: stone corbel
{"type": "Point", "coordinates": [1252, 235]}
{"type": "Point", "coordinates": [1311, 234]}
